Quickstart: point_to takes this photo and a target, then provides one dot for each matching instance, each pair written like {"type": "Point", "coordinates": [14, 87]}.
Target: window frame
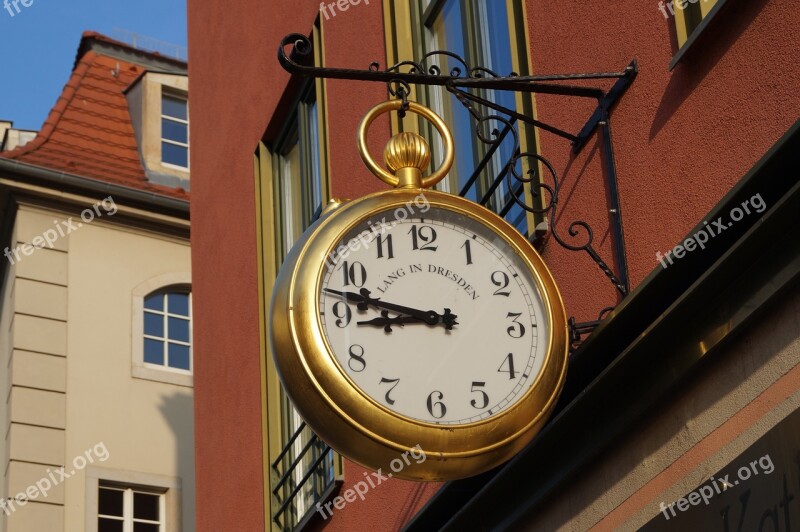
{"type": "Point", "coordinates": [175, 95]}
{"type": "Point", "coordinates": [297, 210]}
{"type": "Point", "coordinates": [128, 509]}
{"type": "Point", "coordinates": [169, 487]}
{"type": "Point", "coordinates": [166, 339]}
{"type": "Point", "coordinates": [153, 372]}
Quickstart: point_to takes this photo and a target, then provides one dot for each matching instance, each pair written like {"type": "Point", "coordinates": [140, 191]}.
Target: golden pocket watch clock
{"type": "Point", "coordinates": [412, 318]}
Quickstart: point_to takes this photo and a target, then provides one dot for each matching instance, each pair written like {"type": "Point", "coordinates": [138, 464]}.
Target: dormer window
{"type": "Point", "coordinates": [158, 103]}
{"type": "Point", "coordinates": [174, 130]}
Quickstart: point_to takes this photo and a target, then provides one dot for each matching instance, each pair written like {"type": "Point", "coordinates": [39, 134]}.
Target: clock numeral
{"type": "Point", "coordinates": [356, 361]}
{"type": "Point", "coordinates": [466, 246]}
{"type": "Point", "coordinates": [508, 361]}
{"type": "Point", "coordinates": [342, 311]}
{"type": "Point", "coordinates": [502, 282]}
{"type": "Point", "coordinates": [389, 381]}
{"type": "Point", "coordinates": [484, 398]}
{"type": "Point", "coordinates": [437, 404]}
{"type": "Point", "coordinates": [425, 234]}
{"type": "Point", "coordinates": [389, 249]}
{"type": "Point", "coordinates": [354, 273]}
{"type": "Point", "coordinates": [517, 330]}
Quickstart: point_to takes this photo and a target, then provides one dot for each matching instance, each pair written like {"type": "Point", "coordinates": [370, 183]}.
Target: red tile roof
{"type": "Point", "coordinates": [89, 131]}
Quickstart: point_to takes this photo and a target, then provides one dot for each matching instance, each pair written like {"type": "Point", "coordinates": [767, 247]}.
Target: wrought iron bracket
{"type": "Point", "coordinates": [468, 84]}
{"type": "Point", "coordinates": [577, 330]}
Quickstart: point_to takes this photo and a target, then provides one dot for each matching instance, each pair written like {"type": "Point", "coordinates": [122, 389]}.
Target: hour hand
{"type": "Point", "coordinates": [386, 322]}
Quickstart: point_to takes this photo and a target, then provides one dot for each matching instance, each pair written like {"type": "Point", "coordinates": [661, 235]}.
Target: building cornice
{"type": "Point", "coordinates": [63, 181]}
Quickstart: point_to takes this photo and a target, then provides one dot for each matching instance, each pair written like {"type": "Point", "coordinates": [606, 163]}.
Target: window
{"type": "Point", "coordinates": [299, 193]}
{"type": "Point", "coordinates": [174, 130]}
{"type": "Point", "coordinates": [487, 33]}
{"type": "Point", "coordinates": [298, 168]}
{"type": "Point", "coordinates": [167, 330]}
{"type": "Point", "coordinates": [158, 104]}
{"type": "Point", "coordinates": [133, 501]}
{"type": "Point", "coordinates": [162, 330]}
{"type": "Point", "coordinates": [291, 184]}
{"type": "Point", "coordinates": [129, 509]}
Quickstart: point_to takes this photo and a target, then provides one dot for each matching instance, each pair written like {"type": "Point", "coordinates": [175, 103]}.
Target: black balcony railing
{"type": "Point", "coordinates": [303, 474]}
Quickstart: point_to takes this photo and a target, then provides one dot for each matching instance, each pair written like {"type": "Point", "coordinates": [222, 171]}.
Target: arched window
{"type": "Point", "coordinates": [162, 330]}
{"type": "Point", "coordinates": [168, 329]}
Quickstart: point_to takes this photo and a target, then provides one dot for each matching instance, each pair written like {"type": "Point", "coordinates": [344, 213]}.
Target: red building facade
{"type": "Point", "coordinates": [708, 122]}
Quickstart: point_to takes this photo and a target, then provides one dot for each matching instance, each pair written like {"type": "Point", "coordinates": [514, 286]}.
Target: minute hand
{"type": "Point", "coordinates": [364, 299]}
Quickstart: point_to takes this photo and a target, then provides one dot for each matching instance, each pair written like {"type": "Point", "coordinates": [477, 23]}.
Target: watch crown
{"type": "Point", "coordinates": [407, 153]}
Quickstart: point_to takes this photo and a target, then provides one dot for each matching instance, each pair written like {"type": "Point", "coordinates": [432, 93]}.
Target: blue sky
{"type": "Point", "coordinates": [39, 45]}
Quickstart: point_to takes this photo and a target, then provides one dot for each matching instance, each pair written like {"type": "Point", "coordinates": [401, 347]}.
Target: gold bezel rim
{"type": "Point", "coordinates": [356, 407]}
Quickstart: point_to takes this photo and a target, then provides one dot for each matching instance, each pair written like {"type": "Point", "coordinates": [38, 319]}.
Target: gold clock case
{"type": "Point", "coordinates": [359, 427]}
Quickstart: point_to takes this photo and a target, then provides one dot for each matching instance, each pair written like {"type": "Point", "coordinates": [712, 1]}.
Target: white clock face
{"type": "Point", "coordinates": [434, 316]}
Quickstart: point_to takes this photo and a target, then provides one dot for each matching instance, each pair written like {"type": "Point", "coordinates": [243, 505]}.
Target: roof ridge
{"type": "Point", "coordinates": [90, 35]}
{"type": "Point", "coordinates": [57, 112]}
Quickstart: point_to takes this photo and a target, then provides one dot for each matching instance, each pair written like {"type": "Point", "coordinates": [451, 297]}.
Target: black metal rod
{"type": "Point", "coordinates": [615, 209]}
{"type": "Point", "coordinates": [301, 49]}
{"type": "Point", "coordinates": [288, 500]}
{"type": "Point", "coordinates": [519, 116]}
{"type": "Point", "coordinates": [496, 183]}
{"type": "Point", "coordinates": [509, 202]}
{"type": "Point", "coordinates": [289, 444]}
{"type": "Point", "coordinates": [605, 104]}
{"type": "Point", "coordinates": [289, 470]}
{"type": "Point", "coordinates": [519, 84]}
{"type": "Point", "coordinates": [484, 162]}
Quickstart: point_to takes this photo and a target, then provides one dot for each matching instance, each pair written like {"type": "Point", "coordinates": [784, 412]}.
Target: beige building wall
{"type": "Point", "coordinates": [72, 396]}
{"type": "Point", "coordinates": [35, 306]}
{"type": "Point", "coordinates": [6, 321]}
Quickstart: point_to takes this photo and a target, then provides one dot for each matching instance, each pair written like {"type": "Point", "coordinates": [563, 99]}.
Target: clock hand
{"type": "Point", "coordinates": [364, 300]}
{"type": "Point", "coordinates": [386, 322]}
{"type": "Point", "coordinates": [352, 297]}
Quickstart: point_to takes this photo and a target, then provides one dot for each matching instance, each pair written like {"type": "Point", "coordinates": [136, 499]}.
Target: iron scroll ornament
{"type": "Point", "coordinates": [493, 129]}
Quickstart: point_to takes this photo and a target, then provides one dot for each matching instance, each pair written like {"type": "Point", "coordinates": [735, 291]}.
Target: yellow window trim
{"type": "Point", "coordinates": [681, 20]}
{"type": "Point", "coordinates": [526, 102]}
{"type": "Point", "coordinates": [398, 15]}
{"type": "Point", "coordinates": [270, 386]}
{"type": "Point", "coordinates": [706, 6]}
{"type": "Point", "coordinates": [680, 24]}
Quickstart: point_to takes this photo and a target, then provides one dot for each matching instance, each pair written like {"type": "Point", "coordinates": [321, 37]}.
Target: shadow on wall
{"type": "Point", "coordinates": [178, 411]}
{"type": "Point", "coordinates": [688, 74]}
